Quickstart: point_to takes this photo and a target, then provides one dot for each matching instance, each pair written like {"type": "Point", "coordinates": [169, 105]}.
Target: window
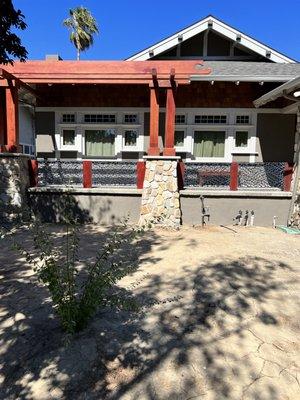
{"type": "Point", "coordinates": [180, 119]}
{"type": "Point", "coordinates": [130, 138]}
{"type": "Point", "coordinates": [242, 119]}
{"type": "Point", "coordinates": [27, 149]}
{"type": "Point", "coordinates": [209, 144]}
{"type": "Point", "coordinates": [68, 118]}
{"type": "Point", "coordinates": [130, 119]}
{"type": "Point", "coordinates": [100, 143]}
{"type": "Point", "coordinates": [210, 119]}
{"type": "Point", "coordinates": [241, 139]}
{"type": "Point", "coordinates": [100, 118]}
{"type": "Point", "coordinates": [179, 138]}
{"type": "Point", "coordinates": [68, 137]}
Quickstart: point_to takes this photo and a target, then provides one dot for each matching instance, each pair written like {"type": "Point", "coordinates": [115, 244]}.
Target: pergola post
{"type": "Point", "coordinates": [12, 118]}
{"type": "Point", "coordinates": [154, 122]}
{"type": "Point", "coordinates": [169, 149]}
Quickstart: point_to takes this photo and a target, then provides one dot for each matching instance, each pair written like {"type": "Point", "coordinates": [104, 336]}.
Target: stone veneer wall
{"type": "Point", "coordinates": [14, 181]}
{"type": "Point", "coordinates": [160, 198]}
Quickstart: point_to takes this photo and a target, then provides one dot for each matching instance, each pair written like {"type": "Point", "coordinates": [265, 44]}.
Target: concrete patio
{"type": "Point", "coordinates": [219, 319]}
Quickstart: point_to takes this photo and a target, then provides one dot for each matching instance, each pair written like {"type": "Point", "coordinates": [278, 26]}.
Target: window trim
{"type": "Point", "coordinates": [66, 147]}
{"type": "Point", "coordinates": [137, 146]}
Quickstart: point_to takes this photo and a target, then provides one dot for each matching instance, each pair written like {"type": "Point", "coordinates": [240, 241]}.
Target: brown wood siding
{"type": "Point", "coordinates": [197, 94]}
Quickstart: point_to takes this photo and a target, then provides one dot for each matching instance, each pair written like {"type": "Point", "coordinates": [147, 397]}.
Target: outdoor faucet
{"type": "Point", "coordinates": [205, 212]}
{"type": "Point", "coordinates": [239, 217]}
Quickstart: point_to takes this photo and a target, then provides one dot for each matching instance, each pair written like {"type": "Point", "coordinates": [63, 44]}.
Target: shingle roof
{"type": "Point", "coordinates": [241, 70]}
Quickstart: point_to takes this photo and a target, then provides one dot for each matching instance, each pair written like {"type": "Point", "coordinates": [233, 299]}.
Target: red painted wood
{"type": "Point", "coordinates": [287, 176]}
{"type": "Point", "coordinates": [87, 174]}
{"type": "Point", "coordinates": [169, 149]}
{"type": "Point", "coordinates": [12, 119]}
{"type": "Point", "coordinates": [140, 174]}
{"type": "Point", "coordinates": [2, 118]}
{"type": "Point", "coordinates": [154, 123]}
{"type": "Point", "coordinates": [33, 172]}
{"type": "Point", "coordinates": [180, 174]}
{"type": "Point", "coordinates": [234, 175]}
{"type": "Point", "coordinates": [90, 71]}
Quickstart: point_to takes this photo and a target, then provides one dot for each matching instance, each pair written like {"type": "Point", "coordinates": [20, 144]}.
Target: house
{"type": "Point", "coordinates": [190, 95]}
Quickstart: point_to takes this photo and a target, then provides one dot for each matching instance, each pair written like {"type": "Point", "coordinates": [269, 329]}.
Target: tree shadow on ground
{"type": "Point", "coordinates": [190, 338]}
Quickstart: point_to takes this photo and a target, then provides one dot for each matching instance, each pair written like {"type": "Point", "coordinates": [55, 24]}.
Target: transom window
{"type": "Point", "coordinates": [179, 138]}
{"type": "Point", "coordinates": [68, 137]}
{"type": "Point", "coordinates": [130, 137]}
{"type": "Point", "coordinates": [130, 119]}
{"type": "Point", "coordinates": [209, 144]}
{"type": "Point", "coordinates": [68, 118]}
{"type": "Point", "coordinates": [180, 119]}
{"type": "Point", "coordinates": [100, 143]}
{"type": "Point", "coordinates": [99, 118]}
{"type": "Point", "coordinates": [242, 119]}
{"type": "Point", "coordinates": [241, 139]}
{"type": "Point", "coordinates": [210, 119]}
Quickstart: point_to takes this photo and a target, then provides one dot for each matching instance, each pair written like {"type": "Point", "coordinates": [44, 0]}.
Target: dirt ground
{"type": "Point", "coordinates": [219, 319]}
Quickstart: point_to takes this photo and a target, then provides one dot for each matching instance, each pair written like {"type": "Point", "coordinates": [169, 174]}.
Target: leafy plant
{"type": "Point", "coordinates": [75, 302]}
{"type": "Point", "coordinates": [83, 26]}
{"type": "Point", "coordinates": [10, 44]}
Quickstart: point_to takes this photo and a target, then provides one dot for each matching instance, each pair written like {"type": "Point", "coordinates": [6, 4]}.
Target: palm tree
{"type": "Point", "coordinates": [83, 26]}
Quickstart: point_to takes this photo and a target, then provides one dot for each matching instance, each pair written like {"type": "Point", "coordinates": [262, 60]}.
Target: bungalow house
{"type": "Point", "coordinates": [190, 96]}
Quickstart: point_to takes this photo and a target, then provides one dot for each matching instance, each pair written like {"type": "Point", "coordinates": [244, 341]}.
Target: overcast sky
{"type": "Point", "coordinates": [129, 26]}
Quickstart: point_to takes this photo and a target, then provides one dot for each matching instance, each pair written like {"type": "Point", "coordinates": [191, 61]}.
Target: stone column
{"type": "Point", "coordinates": [160, 198]}
{"type": "Point", "coordinates": [14, 181]}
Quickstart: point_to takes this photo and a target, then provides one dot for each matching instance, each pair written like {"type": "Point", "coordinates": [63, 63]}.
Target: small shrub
{"type": "Point", "coordinates": [76, 303]}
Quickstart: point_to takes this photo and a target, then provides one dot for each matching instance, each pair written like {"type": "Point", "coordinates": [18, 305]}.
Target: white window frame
{"type": "Point", "coordinates": [31, 147]}
{"type": "Point", "coordinates": [69, 147]}
{"type": "Point", "coordinates": [227, 151]}
{"type": "Point", "coordinates": [184, 148]}
{"type": "Point", "coordinates": [138, 145]}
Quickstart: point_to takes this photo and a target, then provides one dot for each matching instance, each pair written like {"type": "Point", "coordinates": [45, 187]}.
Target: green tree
{"type": "Point", "coordinates": [83, 26]}
{"type": "Point", "coordinates": [10, 43]}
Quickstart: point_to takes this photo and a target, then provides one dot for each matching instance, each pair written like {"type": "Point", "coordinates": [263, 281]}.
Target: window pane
{"type": "Point", "coordinates": [131, 118]}
{"type": "Point", "coordinates": [209, 144]}
{"type": "Point", "coordinates": [130, 138]}
{"type": "Point", "coordinates": [210, 119]}
{"type": "Point", "coordinates": [100, 143]}
{"type": "Point", "coordinates": [68, 137]}
{"type": "Point", "coordinates": [242, 119]}
{"type": "Point", "coordinates": [180, 119]}
{"type": "Point", "coordinates": [241, 139]}
{"type": "Point", "coordinates": [179, 138]}
{"type": "Point", "coordinates": [68, 118]}
{"type": "Point", "coordinates": [99, 118]}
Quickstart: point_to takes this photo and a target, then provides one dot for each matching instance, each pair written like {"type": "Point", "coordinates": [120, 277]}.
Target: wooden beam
{"type": "Point", "coordinates": [12, 119]}
{"type": "Point", "coordinates": [169, 149]}
{"type": "Point", "coordinates": [154, 122]}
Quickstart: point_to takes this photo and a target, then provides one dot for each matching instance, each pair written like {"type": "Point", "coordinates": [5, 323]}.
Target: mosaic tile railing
{"type": "Point", "coordinates": [207, 175]}
{"type": "Point", "coordinates": [267, 175]}
{"type": "Point", "coordinates": [67, 173]}
{"type": "Point", "coordinates": [114, 173]}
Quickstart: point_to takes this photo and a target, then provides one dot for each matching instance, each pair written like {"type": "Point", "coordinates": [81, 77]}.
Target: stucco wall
{"type": "Point", "coordinates": [275, 137]}
{"type": "Point", "coordinates": [45, 131]}
{"type": "Point", "coordinates": [106, 208]}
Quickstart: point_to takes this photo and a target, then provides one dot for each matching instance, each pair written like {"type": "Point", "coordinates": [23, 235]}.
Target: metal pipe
{"type": "Point", "coordinates": [297, 167]}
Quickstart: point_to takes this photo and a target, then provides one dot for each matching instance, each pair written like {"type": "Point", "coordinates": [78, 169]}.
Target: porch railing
{"type": "Point", "coordinates": [226, 176]}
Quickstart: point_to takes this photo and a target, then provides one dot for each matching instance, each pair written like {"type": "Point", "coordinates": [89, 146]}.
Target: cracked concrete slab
{"type": "Point", "coordinates": [218, 319]}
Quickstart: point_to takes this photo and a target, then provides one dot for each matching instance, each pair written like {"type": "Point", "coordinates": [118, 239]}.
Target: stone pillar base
{"type": "Point", "coordinates": [160, 198]}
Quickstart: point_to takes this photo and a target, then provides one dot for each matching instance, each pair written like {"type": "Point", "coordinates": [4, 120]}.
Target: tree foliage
{"type": "Point", "coordinates": [10, 43]}
{"type": "Point", "coordinates": [83, 26]}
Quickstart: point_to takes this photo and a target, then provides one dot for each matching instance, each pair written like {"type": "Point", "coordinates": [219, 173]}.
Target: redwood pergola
{"type": "Point", "coordinates": [157, 75]}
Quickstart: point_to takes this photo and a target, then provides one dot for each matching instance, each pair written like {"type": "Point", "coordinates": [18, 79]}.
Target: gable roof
{"type": "Point", "coordinates": [249, 71]}
{"type": "Point", "coordinates": [218, 26]}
